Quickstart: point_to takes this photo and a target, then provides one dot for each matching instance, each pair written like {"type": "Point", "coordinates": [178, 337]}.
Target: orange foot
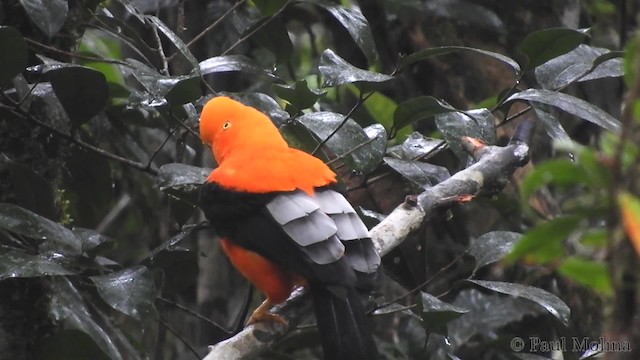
{"type": "Point", "coordinates": [262, 314]}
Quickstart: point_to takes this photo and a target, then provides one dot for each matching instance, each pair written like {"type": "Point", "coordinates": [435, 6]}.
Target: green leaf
{"type": "Point", "coordinates": [83, 92]}
{"type": "Point", "coordinates": [544, 242]}
{"type": "Point", "coordinates": [581, 64]}
{"type": "Point", "coordinates": [337, 71]}
{"type": "Point", "coordinates": [176, 41]}
{"type": "Point", "coordinates": [422, 175]}
{"type": "Point", "coordinates": [23, 222]}
{"type": "Point", "coordinates": [299, 95]}
{"type": "Point", "coordinates": [436, 313]}
{"type": "Point", "coordinates": [476, 123]}
{"type": "Point", "coordinates": [227, 63]}
{"type": "Point", "coordinates": [544, 45]}
{"type": "Point", "coordinates": [16, 264]}
{"type": "Point", "coordinates": [560, 172]}
{"type": "Point", "coordinates": [130, 291]}
{"type": "Point", "coordinates": [570, 104]}
{"type": "Point", "coordinates": [185, 90]}
{"type": "Point", "coordinates": [182, 181]}
{"type": "Point", "coordinates": [419, 108]}
{"type": "Point", "coordinates": [355, 23]}
{"type": "Point", "coordinates": [549, 301]}
{"type": "Point", "coordinates": [351, 141]}
{"type": "Point", "coordinates": [13, 53]}
{"type": "Point", "coordinates": [47, 15]}
{"type": "Point", "coordinates": [427, 53]}
{"type": "Point", "coordinates": [70, 344]}
{"type": "Point", "coordinates": [591, 274]}
{"type": "Point", "coordinates": [492, 247]}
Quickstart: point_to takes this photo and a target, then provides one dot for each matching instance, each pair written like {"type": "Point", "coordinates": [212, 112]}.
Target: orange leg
{"type": "Point", "coordinates": [261, 313]}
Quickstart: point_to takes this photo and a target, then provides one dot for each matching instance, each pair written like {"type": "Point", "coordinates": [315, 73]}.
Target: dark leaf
{"type": "Point", "coordinates": [179, 268]}
{"type": "Point", "coordinates": [23, 222]}
{"type": "Point", "coordinates": [550, 122]}
{"type": "Point", "coordinates": [273, 36]}
{"type": "Point", "coordinates": [418, 145]}
{"type": "Point", "coordinates": [422, 175]}
{"type": "Point", "coordinates": [32, 191]}
{"type": "Point", "coordinates": [228, 63]}
{"type": "Point", "coordinates": [570, 104]}
{"type": "Point", "coordinates": [300, 137]}
{"type": "Point", "coordinates": [582, 63]}
{"type": "Point", "coordinates": [70, 344]}
{"type": "Point", "coordinates": [182, 181]}
{"type": "Point", "coordinates": [176, 41]}
{"type": "Point", "coordinates": [185, 90]}
{"type": "Point", "coordinates": [466, 13]}
{"type": "Point", "coordinates": [350, 141]}
{"type": "Point", "coordinates": [180, 210]}
{"type": "Point", "coordinates": [492, 247]}
{"type": "Point", "coordinates": [355, 23]}
{"type": "Point", "coordinates": [436, 313]}
{"type": "Point", "coordinates": [299, 95]}
{"type": "Point", "coordinates": [544, 242]}
{"type": "Point", "coordinates": [269, 7]}
{"type": "Point", "coordinates": [419, 108]}
{"type": "Point", "coordinates": [130, 291]}
{"type": "Point", "coordinates": [127, 34]}
{"type": "Point", "coordinates": [427, 53]}
{"type": "Point", "coordinates": [16, 264]}
{"type": "Point", "coordinates": [267, 105]}
{"type": "Point", "coordinates": [549, 301]}
{"type": "Point", "coordinates": [173, 242]}
{"type": "Point", "coordinates": [337, 71]}
{"type": "Point", "coordinates": [83, 92]}
{"type": "Point", "coordinates": [544, 45]}
{"type": "Point", "coordinates": [91, 239]}
{"type": "Point", "coordinates": [48, 15]}
{"type": "Point", "coordinates": [68, 308]}
{"type": "Point", "coordinates": [13, 53]}
{"type": "Point", "coordinates": [476, 123]}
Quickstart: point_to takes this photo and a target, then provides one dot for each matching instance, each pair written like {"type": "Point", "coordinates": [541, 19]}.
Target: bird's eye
{"type": "Point", "coordinates": [226, 125]}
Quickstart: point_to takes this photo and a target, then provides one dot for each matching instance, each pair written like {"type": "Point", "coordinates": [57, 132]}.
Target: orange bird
{"type": "Point", "coordinates": [281, 225]}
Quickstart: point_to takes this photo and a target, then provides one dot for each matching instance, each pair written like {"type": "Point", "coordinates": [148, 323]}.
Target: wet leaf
{"type": "Point", "coordinates": [185, 90]}
{"type": "Point", "coordinates": [90, 239]}
{"type": "Point", "coordinates": [13, 53]}
{"type": "Point", "coordinates": [476, 123]}
{"type": "Point", "coordinates": [68, 309]}
{"type": "Point", "coordinates": [274, 36]}
{"type": "Point", "coordinates": [436, 313]}
{"type": "Point", "coordinates": [544, 45]}
{"type": "Point", "coordinates": [182, 181]}
{"type": "Point", "coordinates": [492, 247]}
{"type": "Point", "coordinates": [299, 95]}
{"type": "Point", "coordinates": [267, 105]}
{"type": "Point", "coordinates": [549, 301]}
{"type": "Point", "coordinates": [47, 15]}
{"type": "Point", "coordinates": [419, 108]}
{"type": "Point", "coordinates": [591, 274]}
{"type": "Point", "coordinates": [351, 141]}
{"type": "Point", "coordinates": [422, 175]}
{"type": "Point", "coordinates": [337, 71]}
{"type": "Point", "coordinates": [427, 53]}
{"type": "Point", "coordinates": [130, 291]}
{"type": "Point", "coordinates": [176, 41]}
{"type": "Point", "coordinates": [550, 122]}
{"type": "Point", "coordinates": [16, 264]}
{"type": "Point", "coordinates": [179, 268]}
{"type": "Point", "coordinates": [417, 145]}
{"type": "Point", "coordinates": [227, 63]}
{"type": "Point", "coordinates": [23, 222]}
{"type": "Point", "coordinates": [544, 242]}
{"type": "Point", "coordinates": [83, 92]}
{"type": "Point", "coordinates": [570, 104]}
{"type": "Point", "coordinates": [629, 206]}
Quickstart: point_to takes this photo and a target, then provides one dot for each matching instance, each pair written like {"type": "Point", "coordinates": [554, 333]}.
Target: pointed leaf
{"type": "Point", "coordinates": [544, 242]}
{"type": "Point", "coordinates": [182, 181]}
{"type": "Point", "coordinates": [48, 15]}
{"type": "Point", "coordinates": [13, 53]}
{"type": "Point", "coordinates": [176, 41]}
{"type": "Point", "coordinates": [355, 23]}
{"type": "Point", "coordinates": [549, 301]}
{"type": "Point", "coordinates": [418, 145]}
{"type": "Point", "coordinates": [436, 313]}
{"type": "Point", "coordinates": [560, 172]}
{"type": "Point", "coordinates": [427, 53]}
{"type": "Point", "coordinates": [16, 264]}
{"type": "Point", "coordinates": [267, 105]}
{"type": "Point", "coordinates": [544, 45]}
{"type": "Point", "coordinates": [422, 175]}
{"type": "Point", "coordinates": [629, 206]}
{"type": "Point", "coordinates": [228, 63]}
{"type": "Point", "coordinates": [130, 291]}
{"type": "Point", "coordinates": [550, 122]}
{"type": "Point", "coordinates": [419, 108]}
{"type": "Point", "coordinates": [590, 274]}
{"type": "Point", "coordinates": [23, 222]}
{"type": "Point", "coordinates": [185, 90]}
{"type": "Point", "coordinates": [492, 247]}
{"type": "Point", "coordinates": [476, 123]}
{"type": "Point", "coordinates": [90, 239]}
{"type": "Point", "coordinates": [274, 36]}
{"type": "Point", "coordinates": [83, 92]}
{"type": "Point", "coordinates": [337, 71]}
{"type": "Point", "coordinates": [570, 104]}
{"type": "Point", "coordinates": [299, 95]}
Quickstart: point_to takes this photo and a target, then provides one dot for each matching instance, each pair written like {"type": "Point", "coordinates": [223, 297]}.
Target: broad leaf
{"type": "Point", "coordinates": [47, 15]}
{"type": "Point", "coordinates": [427, 53]}
{"type": "Point", "coordinates": [83, 92]}
{"type": "Point", "coordinates": [544, 242]}
{"type": "Point", "coordinates": [337, 71]}
{"type": "Point", "coordinates": [90, 239]}
{"type": "Point", "coordinates": [227, 63]}
{"type": "Point", "coordinates": [267, 105]}
{"type": "Point", "coordinates": [589, 273]}
{"type": "Point", "coordinates": [544, 45]}
{"type": "Point", "coordinates": [185, 90]}
{"type": "Point", "coordinates": [492, 247]}
{"type": "Point", "coordinates": [422, 175]}
{"type": "Point", "coordinates": [549, 301]}
{"type": "Point", "coordinates": [13, 53]}
{"type": "Point", "coordinates": [419, 108]}
{"type": "Point", "coordinates": [477, 123]}
{"type": "Point", "coordinates": [418, 145]}
{"type": "Point", "coordinates": [299, 95]}
{"type": "Point", "coordinates": [130, 291]}
{"type": "Point", "coordinates": [274, 36]}
{"type": "Point", "coordinates": [23, 222]}
{"type": "Point", "coordinates": [16, 264]}
{"type": "Point", "coordinates": [182, 181]}
{"type": "Point", "coordinates": [570, 104]}
{"type": "Point", "coordinates": [560, 172]}
{"type": "Point", "coordinates": [436, 313]}
{"type": "Point", "coordinates": [550, 122]}
{"type": "Point", "coordinates": [176, 41]}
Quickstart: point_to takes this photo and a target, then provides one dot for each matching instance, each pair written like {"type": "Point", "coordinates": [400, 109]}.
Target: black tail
{"type": "Point", "coordinates": [344, 328]}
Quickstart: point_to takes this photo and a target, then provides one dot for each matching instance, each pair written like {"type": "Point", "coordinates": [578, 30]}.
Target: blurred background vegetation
{"type": "Point", "coordinates": [104, 255]}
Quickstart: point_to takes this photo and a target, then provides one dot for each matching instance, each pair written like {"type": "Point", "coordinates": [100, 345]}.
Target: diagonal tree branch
{"type": "Point", "coordinates": [491, 172]}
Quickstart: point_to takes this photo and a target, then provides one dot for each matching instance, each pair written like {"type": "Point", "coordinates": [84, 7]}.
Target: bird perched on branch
{"type": "Point", "coordinates": [282, 225]}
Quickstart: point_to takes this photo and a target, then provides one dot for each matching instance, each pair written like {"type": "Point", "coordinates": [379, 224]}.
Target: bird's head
{"type": "Point", "coordinates": [228, 125]}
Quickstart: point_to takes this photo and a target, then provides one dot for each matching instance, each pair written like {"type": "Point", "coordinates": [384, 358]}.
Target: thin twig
{"type": "Point", "coordinates": [193, 313]}
{"type": "Point", "coordinates": [215, 23]}
{"type": "Point", "coordinates": [76, 55]}
{"type": "Point", "coordinates": [514, 116]}
{"type": "Point", "coordinates": [346, 153]}
{"type": "Point", "coordinates": [157, 151]}
{"type": "Point", "coordinates": [160, 49]}
{"type": "Point", "coordinates": [178, 336]}
{"type": "Point", "coordinates": [184, 126]}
